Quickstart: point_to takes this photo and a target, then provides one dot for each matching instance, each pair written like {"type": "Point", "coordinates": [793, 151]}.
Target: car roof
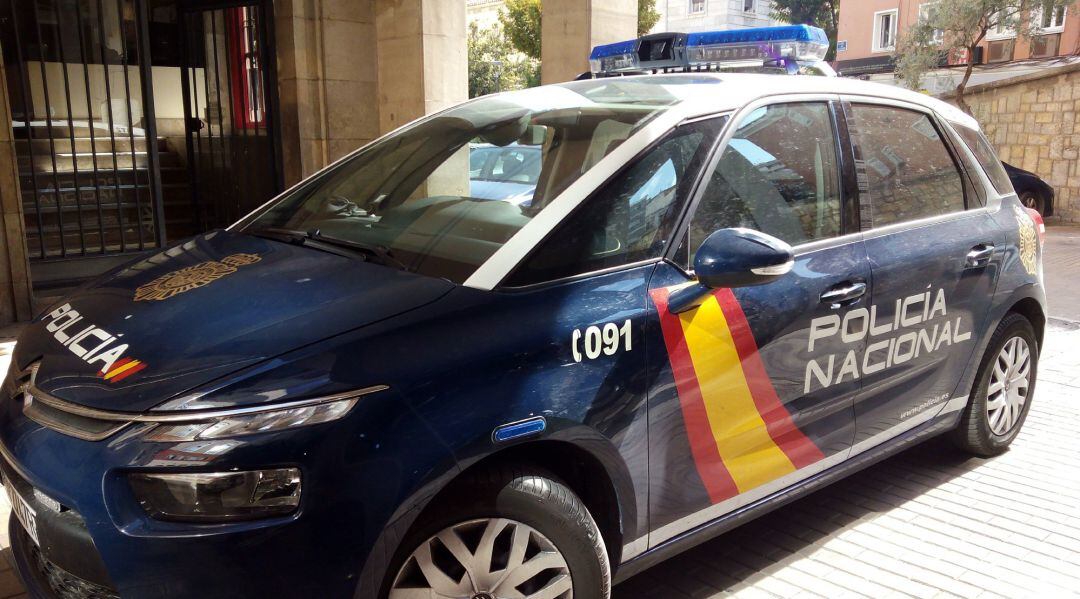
{"type": "Point", "coordinates": [702, 94]}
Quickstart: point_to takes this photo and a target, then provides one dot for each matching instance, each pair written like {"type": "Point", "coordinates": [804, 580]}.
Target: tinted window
{"type": "Point", "coordinates": [777, 175]}
{"type": "Point", "coordinates": [631, 217]}
{"type": "Point", "coordinates": [905, 172]}
{"type": "Point", "coordinates": [984, 153]}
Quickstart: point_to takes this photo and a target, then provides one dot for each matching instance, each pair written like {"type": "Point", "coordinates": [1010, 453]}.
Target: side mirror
{"type": "Point", "coordinates": [734, 258]}
{"type": "Point", "coordinates": [740, 258]}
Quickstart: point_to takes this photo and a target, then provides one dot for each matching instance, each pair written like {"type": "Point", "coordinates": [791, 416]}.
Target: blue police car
{"type": "Point", "coordinates": [725, 291]}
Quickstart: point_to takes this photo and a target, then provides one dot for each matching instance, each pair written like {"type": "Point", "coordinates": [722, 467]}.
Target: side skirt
{"type": "Point", "coordinates": [714, 528]}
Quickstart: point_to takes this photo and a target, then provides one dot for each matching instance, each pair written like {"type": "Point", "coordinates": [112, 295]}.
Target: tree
{"type": "Point", "coordinates": [494, 65]}
{"type": "Point", "coordinates": [957, 27]}
{"type": "Point", "coordinates": [521, 20]}
{"type": "Point", "coordinates": [819, 13]}
{"type": "Point", "coordinates": [647, 16]}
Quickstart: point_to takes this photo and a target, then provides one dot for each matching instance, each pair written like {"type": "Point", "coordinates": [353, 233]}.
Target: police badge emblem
{"type": "Point", "coordinates": [192, 277]}
{"type": "Point", "coordinates": [1029, 241]}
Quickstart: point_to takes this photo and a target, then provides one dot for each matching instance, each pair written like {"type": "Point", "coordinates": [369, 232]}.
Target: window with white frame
{"type": "Point", "coordinates": [928, 11]}
{"type": "Point", "coordinates": [697, 7]}
{"type": "Point", "coordinates": [885, 31]}
{"type": "Point", "coordinates": [748, 6]}
{"type": "Point", "coordinates": [1003, 28]}
{"type": "Point", "coordinates": [1051, 19]}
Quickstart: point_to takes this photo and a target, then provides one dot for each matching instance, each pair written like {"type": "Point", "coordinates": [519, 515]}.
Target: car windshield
{"type": "Point", "coordinates": [439, 197]}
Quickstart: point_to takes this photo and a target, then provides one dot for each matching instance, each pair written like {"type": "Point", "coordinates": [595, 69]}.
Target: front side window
{"type": "Point", "coordinates": [441, 196]}
{"type": "Point", "coordinates": [885, 31]}
{"type": "Point", "coordinates": [984, 153]}
{"type": "Point", "coordinates": [632, 217]}
{"type": "Point", "coordinates": [778, 175]}
{"type": "Point", "coordinates": [905, 172]}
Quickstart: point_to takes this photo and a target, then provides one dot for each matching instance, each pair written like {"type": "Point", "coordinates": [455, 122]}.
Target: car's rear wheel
{"type": "Point", "coordinates": [504, 534]}
{"type": "Point", "coordinates": [1004, 385]}
{"type": "Point", "coordinates": [1030, 199]}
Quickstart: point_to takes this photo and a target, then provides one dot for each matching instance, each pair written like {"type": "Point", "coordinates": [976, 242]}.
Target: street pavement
{"type": "Point", "coordinates": [929, 522]}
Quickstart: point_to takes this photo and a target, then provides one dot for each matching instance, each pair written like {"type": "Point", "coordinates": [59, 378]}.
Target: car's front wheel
{"type": "Point", "coordinates": [1001, 395]}
{"type": "Point", "coordinates": [505, 534]}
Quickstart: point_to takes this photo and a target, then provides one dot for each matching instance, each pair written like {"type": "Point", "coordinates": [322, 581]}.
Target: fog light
{"type": "Point", "coordinates": [218, 496]}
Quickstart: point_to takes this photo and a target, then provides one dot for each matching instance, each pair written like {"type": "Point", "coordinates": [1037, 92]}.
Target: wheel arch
{"type": "Point", "coordinates": [607, 495]}
{"type": "Point", "coordinates": [1032, 310]}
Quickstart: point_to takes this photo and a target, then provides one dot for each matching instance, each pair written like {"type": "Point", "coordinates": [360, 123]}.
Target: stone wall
{"type": "Point", "coordinates": [1032, 122]}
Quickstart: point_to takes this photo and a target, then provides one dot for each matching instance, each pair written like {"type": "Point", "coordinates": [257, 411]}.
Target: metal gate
{"type": "Point", "coordinates": [81, 94]}
{"type": "Point", "coordinates": [230, 105]}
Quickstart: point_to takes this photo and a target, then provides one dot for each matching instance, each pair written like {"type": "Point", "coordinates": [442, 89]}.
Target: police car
{"type": "Point", "coordinates": [725, 291]}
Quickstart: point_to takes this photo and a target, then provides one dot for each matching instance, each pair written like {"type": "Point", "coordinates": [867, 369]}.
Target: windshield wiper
{"type": "Point", "coordinates": [380, 252]}
{"type": "Point", "coordinates": [314, 238]}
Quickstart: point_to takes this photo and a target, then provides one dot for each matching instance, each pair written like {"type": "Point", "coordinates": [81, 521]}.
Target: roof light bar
{"type": "Point", "coordinates": [737, 47]}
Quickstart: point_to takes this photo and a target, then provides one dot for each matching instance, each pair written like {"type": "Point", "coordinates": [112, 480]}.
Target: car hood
{"type": "Point", "coordinates": [203, 309]}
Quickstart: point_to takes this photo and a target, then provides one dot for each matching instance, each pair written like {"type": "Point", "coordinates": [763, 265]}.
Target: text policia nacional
{"type": "Point", "coordinates": [907, 335]}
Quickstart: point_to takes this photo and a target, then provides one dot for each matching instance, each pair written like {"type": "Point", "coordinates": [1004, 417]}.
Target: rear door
{"type": "Point", "coordinates": [934, 257]}
{"type": "Point", "coordinates": [736, 412]}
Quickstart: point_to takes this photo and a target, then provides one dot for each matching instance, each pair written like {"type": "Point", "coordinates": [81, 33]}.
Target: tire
{"type": "Point", "coordinates": [1030, 199]}
{"type": "Point", "coordinates": [505, 505]}
{"type": "Point", "coordinates": [984, 430]}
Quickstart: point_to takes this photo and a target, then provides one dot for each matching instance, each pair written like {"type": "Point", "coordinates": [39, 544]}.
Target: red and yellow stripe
{"type": "Point", "coordinates": [741, 435]}
{"type": "Point", "coordinates": [121, 369]}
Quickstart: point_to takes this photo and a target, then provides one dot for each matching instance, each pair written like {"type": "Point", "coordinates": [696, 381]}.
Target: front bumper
{"type": "Point", "coordinates": [102, 544]}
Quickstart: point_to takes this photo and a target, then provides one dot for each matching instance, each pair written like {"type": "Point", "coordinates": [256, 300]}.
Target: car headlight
{"type": "Point", "coordinates": [217, 496]}
{"type": "Point", "coordinates": [239, 424]}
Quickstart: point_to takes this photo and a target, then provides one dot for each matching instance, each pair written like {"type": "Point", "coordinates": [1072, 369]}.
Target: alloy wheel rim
{"type": "Point", "coordinates": [488, 558]}
{"type": "Point", "coordinates": [1010, 382]}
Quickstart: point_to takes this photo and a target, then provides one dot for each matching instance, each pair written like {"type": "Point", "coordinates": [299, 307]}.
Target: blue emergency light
{"type": "Point", "coordinates": [783, 45]}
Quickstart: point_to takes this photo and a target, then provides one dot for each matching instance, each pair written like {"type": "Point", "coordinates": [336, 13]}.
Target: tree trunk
{"type": "Point", "coordinates": [960, 101]}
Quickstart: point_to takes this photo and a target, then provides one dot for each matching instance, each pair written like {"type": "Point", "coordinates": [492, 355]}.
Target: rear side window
{"type": "Point", "coordinates": [984, 153]}
{"type": "Point", "coordinates": [632, 216]}
{"type": "Point", "coordinates": [904, 170]}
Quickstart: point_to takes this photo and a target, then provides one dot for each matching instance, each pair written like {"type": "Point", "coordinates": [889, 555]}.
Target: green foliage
{"type": "Point", "coordinates": [520, 19]}
{"type": "Point", "coordinates": [495, 66]}
{"type": "Point", "coordinates": [647, 16]}
{"type": "Point", "coordinates": [819, 13]}
{"type": "Point", "coordinates": [957, 27]}
{"type": "Point", "coordinates": [522, 22]}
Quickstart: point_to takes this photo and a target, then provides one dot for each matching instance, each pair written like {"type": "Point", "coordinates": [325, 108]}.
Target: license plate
{"type": "Point", "coordinates": [26, 515]}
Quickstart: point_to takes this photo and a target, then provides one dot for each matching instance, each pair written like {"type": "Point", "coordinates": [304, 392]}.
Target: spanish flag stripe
{"type": "Point", "coordinates": [128, 372]}
{"type": "Point", "coordinates": [745, 446]}
{"type": "Point", "coordinates": [715, 476]}
{"type": "Point", "coordinates": [798, 448]}
{"type": "Point", "coordinates": [115, 365]}
{"type": "Point", "coordinates": [116, 371]}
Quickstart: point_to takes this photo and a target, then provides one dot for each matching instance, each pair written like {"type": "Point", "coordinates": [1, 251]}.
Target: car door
{"type": "Point", "coordinates": [745, 399]}
{"type": "Point", "coordinates": [934, 258]}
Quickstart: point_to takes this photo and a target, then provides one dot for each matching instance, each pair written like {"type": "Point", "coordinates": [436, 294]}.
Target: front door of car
{"type": "Point", "coordinates": [745, 399]}
{"type": "Point", "coordinates": [934, 257]}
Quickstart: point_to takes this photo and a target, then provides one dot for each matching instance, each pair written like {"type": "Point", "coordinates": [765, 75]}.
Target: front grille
{"type": "Point", "coordinates": [67, 423]}
{"type": "Point", "coordinates": [65, 584]}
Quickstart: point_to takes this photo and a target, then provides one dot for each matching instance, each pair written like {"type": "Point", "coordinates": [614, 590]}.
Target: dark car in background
{"type": "Point", "coordinates": [1033, 192]}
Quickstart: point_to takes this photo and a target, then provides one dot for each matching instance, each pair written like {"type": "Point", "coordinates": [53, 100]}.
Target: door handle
{"type": "Point", "coordinates": [979, 256]}
{"type": "Point", "coordinates": [843, 294]}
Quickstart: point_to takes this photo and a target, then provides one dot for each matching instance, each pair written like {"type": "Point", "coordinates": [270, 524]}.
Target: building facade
{"type": "Point", "coordinates": [869, 31]}
{"type": "Point", "coordinates": [706, 15]}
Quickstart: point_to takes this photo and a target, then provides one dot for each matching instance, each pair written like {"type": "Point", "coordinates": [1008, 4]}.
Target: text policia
{"type": "Point", "coordinates": [906, 336]}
